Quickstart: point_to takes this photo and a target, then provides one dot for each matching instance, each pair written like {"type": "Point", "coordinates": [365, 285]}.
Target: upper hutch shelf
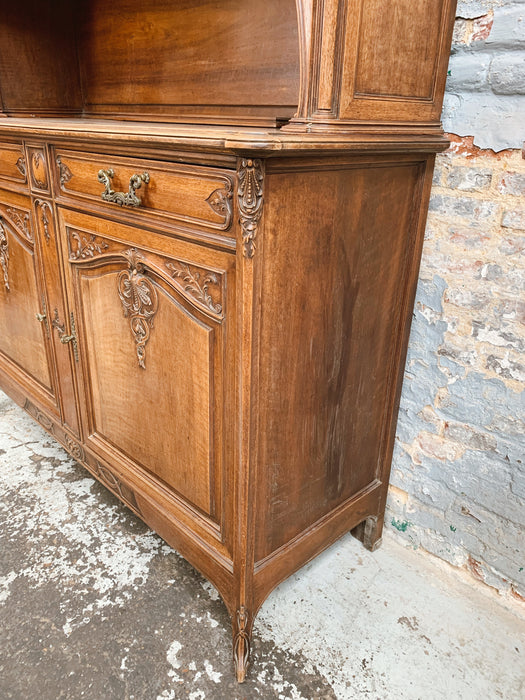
{"type": "Point", "coordinates": [304, 65]}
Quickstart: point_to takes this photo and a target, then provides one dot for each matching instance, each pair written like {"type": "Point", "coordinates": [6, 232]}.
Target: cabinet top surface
{"type": "Point", "coordinates": [234, 140]}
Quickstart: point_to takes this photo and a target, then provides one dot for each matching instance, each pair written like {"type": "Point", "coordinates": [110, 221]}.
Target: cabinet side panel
{"type": "Point", "coordinates": [336, 255]}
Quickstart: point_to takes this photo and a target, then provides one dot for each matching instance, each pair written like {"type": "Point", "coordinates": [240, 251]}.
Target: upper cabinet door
{"type": "Point", "coordinates": [153, 325]}
{"type": "Point", "coordinates": [25, 323]}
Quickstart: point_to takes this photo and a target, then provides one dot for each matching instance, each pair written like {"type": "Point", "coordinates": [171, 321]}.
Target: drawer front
{"type": "Point", "coordinates": [194, 195]}
{"type": "Point", "coordinates": [12, 164]}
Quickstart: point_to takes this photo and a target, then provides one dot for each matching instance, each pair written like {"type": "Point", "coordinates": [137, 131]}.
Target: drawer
{"type": "Point", "coordinates": [12, 164]}
{"type": "Point", "coordinates": [187, 194]}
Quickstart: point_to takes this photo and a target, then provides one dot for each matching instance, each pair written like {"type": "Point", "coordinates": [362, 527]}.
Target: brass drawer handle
{"type": "Point", "coordinates": [128, 199]}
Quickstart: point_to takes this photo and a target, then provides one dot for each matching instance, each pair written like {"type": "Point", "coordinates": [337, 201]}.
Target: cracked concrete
{"type": "Point", "coordinates": [94, 605]}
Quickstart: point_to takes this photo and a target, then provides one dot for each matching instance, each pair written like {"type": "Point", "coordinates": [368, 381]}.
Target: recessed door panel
{"type": "Point", "coordinates": [152, 403]}
{"type": "Point", "coordinates": [151, 319]}
{"type": "Point", "coordinates": [22, 335]}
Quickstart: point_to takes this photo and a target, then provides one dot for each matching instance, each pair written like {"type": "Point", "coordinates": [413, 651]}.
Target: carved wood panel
{"type": "Point", "coordinates": [23, 334]}
{"type": "Point", "coordinates": [38, 168]}
{"type": "Point", "coordinates": [151, 334]}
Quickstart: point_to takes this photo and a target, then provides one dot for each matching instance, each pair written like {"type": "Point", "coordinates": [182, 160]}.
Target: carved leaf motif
{"type": "Point", "coordinates": [65, 173]}
{"type": "Point", "coordinates": [220, 201]}
{"type": "Point", "coordinates": [139, 300]}
{"type": "Point", "coordinates": [39, 169]}
{"type": "Point", "coordinates": [196, 284]}
{"type": "Point", "coordinates": [22, 221]}
{"type": "Point", "coordinates": [21, 165]}
{"type": "Point", "coordinates": [250, 194]}
{"type": "Point", "coordinates": [241, 644]}
{"type": "Point", "coordinates": [4, 254]}
{"type": "Point", "coordinates": [44, 208]}
{"type": "Point", "coordinates": [86, 246]}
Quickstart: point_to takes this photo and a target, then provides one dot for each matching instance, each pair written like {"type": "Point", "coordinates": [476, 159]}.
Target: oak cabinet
{"type": "Point", "coordinates": [208, 259]}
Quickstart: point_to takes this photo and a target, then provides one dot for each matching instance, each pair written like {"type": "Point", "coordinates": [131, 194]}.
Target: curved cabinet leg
{"type": "Point", "coordinates": [369, 532]}
{"type": "Point", "coordinates": [242, 633]}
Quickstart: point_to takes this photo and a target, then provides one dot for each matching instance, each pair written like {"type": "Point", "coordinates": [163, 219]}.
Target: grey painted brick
{"type": "Point", "coordinates": [496, 121]}
{"type": "Point", "coordinates": [468, 71]}
{"type": "Point", "coordinates": [518, 484]}
{"type": "Point", "coordinates": [490, 272]}
{"type": "Point", "coordinates": [507, 74]}
{"type": "Point", "coordinates": [483, 402]}
{"type": "Point", "coordinates": [430, 292]}
{"type": "Point", "coordinates": [512, 245]}
{"type": "Point", "coordinates": [476, 8]}
{"type": "Point", "coordinates": [501, 337]}
{"type": "Point", "coordinates": [512, 183]}
{"type": "Point", "coordinates": [471, 209]}
{"type": "Point", "coordinates": [508, 30]}
{"type": "Point", "coordinates": [475, 439]}
{"type": "Point", "coordinates": [506, 368]}
{"type": "Point", "coordinates": [469, 179]}
{"type": "Point", "coordinates": [514, 218]}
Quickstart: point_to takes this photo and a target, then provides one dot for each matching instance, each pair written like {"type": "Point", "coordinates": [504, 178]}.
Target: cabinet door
{"type": "Point", "coordinates": [25, 349]}
{"type": "Point", "coordinates": [153, 329]}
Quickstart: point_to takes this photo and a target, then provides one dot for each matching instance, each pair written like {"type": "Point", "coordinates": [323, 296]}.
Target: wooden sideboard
{"type": "Point", "coordinates": [211, 220]}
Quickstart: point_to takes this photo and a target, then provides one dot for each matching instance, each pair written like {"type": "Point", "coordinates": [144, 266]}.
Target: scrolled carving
{"type": "Point", "coordinates": [140, 301]}
{"type": "Point", "coordinates": [196, 284]}
{"type": "Point", "coordinates": [64, 173]}
{"type": "Point", "coordinates": [241, 644]}
{"type": "Point", "coordinates": [44, 421]}
{"type": "Point", "coordinates": [44, 207]}
{"type": "Point", "coordinates": [21, 165]}
{"type": "Point", "coordinates": [38, 169]}
{"type": "Point", "coordinates": [22, 221]}
{"type": "Point", "coordinates": [74, 449]}
{"type": "Point", "coordinates": [85, 246]}
{"type": "Point", "coordinates": [220, 200]}
{"type": "Point", "coordinates": [250, 194]}
{"type": "Point", "coordinates": [112, 482]}
{"type": "Point", "coordinates": [4, 254]}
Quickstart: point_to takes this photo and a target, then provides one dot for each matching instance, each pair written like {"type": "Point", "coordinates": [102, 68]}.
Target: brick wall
{"type": "Point", "coordinates": [458, 474]}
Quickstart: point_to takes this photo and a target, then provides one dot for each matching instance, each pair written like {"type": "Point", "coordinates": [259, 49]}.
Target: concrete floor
{"type": "Point", "coordinates": [93, 605]}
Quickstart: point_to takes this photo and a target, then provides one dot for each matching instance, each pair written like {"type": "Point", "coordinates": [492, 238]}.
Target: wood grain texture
{"type": "Point", "coordinates": [38, 60]}
{"type": "Point", "coordinates": [181, 59]}
{"type": "Point", "coordinates": [339, 277]}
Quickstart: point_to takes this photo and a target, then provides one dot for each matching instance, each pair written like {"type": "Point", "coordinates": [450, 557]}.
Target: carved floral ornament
{"type": "Point", "coordinates": [82, 247]}
{"type": "Point", "coordinates": [21, 165]}
{"type": "Point", "coordinates": [250, 195]}
{"type": "Point", "coordinates": [4, 254]}
{"type": "Point", "coordinates": [22, 221]}
{"type": "Point", "coordinates": [64, 172]}
{"type": "Point", "coordinates": [140, 301]}
{"type": "Point", "coordinates": [220, 200]}
{"type": "Point", "coordinates": [44, 207]}
{"type": "Point", "coordinates": [196, 283]}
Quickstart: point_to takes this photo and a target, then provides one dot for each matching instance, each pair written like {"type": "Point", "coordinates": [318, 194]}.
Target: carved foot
{"type": "Point", "coordinates": [241, 643]}
{"type": "Point", "coordinates": [369, 532]}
